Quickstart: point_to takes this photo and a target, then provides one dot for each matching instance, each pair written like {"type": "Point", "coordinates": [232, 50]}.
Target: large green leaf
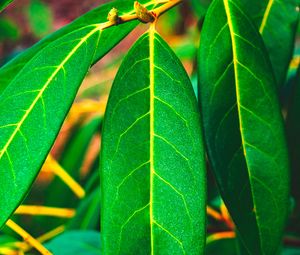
{"type": "Point", "coordinates": [243, 126]}
{"type": "Point", "coordinates": [35, 103]}
{"type": "Point", "coordinates": [277, 22]}
{"type": "Point", "coordinates": [11, 69]}
{"type": "Point", "coordinates": [4, 4]}
{"type": "Point", "coordinates": [152, 159]}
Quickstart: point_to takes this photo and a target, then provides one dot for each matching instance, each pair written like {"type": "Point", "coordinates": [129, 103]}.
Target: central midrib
{"type": "Point", "coordinates": [266, 16]}
{"type": "Point", "coordinates": [151, 68]}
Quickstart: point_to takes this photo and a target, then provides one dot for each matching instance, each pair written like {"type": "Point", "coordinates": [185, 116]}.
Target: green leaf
{"type": "Point", "coordinates": [35, 103]}
{"type": "Point", "coordinates": [4, 4]}
{"type": "Point", "coordinates": [152, 158]}
{"type": "Point", "coordinates": [243, 126]}
{"type": "Point", "coordinates": [76, 242]}
{"type": "Point", "coordinates": [293, 127]}
{"type": "Point", "coordinates": [11, 69]}
{"type": "Point", "coordinates": [40, 18]}
{"type": "Point", "coordinates": [277, 22]}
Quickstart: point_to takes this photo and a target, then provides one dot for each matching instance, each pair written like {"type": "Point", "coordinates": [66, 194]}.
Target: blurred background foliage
{"type": "Point", "coordinates": [69, 179]}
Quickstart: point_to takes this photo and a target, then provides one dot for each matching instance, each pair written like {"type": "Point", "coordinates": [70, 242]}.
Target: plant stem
{"type": "Point", "coordinates": [45, 237]}
{"type": "Point", "coordinates": [220, 235]}
{"type": "Point", "coordinates": [213, 213]}
{"type": "Point", "coordinates": [56, 168]}
{"type": "Point", "coordinates": [129, 17]}
{"type": "Point", "coordinates": [27, 237]}
{"type": "Point", "coordinates": [45, 211]}
{"type": "Point", "coordinates": [162, 9]}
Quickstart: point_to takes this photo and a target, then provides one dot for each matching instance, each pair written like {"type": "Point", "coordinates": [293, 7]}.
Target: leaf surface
{"type": "Point", "coordinates": [243, 126]}
{"type": "Point", "coordinates": [152, 158]}
{"type": "Point", "coordinates": [277, 23]}
{"type": "Point", "coordinates": [35, 103]}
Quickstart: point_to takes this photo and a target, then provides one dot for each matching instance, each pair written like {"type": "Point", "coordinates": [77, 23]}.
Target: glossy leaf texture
{"type": "Point", "coordinates": [152, 158]}
{"type": "Point", "coordinates": [243, 126]}
{"type": "Point", "coordinates": [277, 22]}
{"type": "Point", "coordinates": [4, 4]}
{"type": "Point", "coordinates": [35, 103]}
{"type": "Point", "coordinates": [12, 68]}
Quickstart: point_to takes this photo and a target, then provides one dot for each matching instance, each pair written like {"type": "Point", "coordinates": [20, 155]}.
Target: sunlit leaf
{"type": "Point", "coordinates": [152, 158]}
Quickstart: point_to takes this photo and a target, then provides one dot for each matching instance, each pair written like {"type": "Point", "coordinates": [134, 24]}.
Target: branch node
{"type": "Point", "coordinates": [113, 16]}
{"type": "Point", "coordinates": [143, 14]}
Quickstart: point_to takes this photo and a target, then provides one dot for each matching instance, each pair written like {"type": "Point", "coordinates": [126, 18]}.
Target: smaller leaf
{"type": "Point", "coordinates": [76, 242]}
